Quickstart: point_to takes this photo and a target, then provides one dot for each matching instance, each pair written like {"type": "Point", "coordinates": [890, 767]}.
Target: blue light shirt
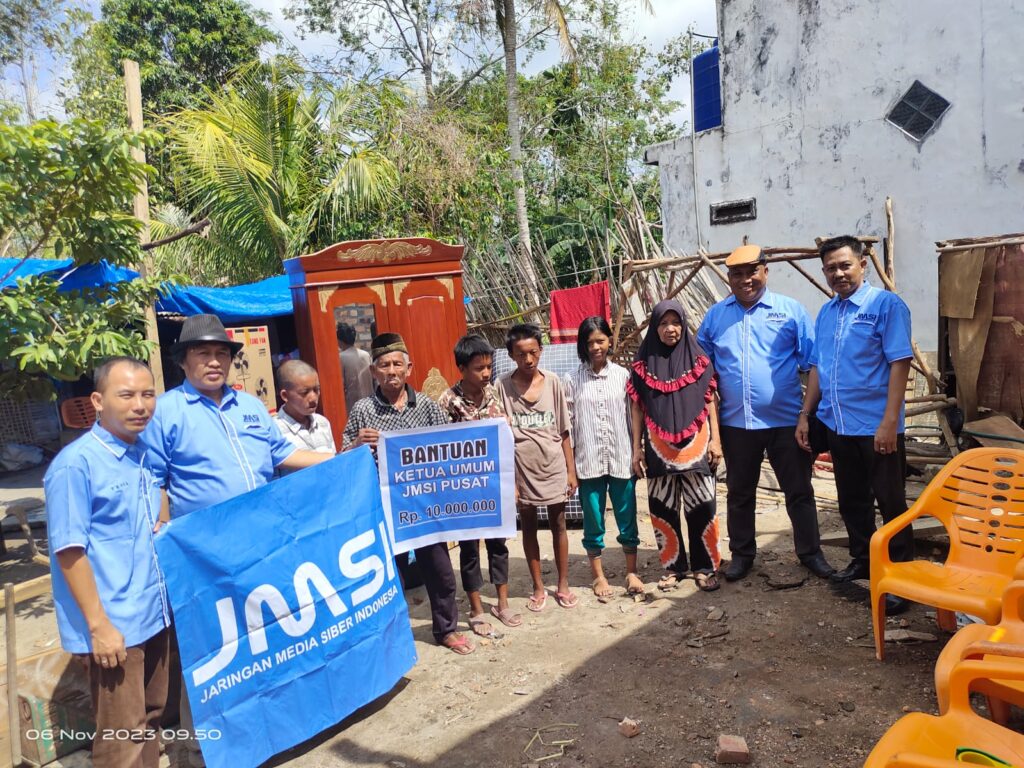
{"type": "Point", "coordinates": [205, 453]}
{"type": "Point", "coordinates": [758, 354]}
{"type": "Point", "coordinates": [101, 497]}
{"type": "Point", "coordinates": [858, 340]}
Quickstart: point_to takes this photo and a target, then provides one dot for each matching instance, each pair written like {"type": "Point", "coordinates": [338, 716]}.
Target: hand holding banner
{"type": "Point", "coordinates": [448, 483]}
{"type": "Point", "coordinates": [288, 609]}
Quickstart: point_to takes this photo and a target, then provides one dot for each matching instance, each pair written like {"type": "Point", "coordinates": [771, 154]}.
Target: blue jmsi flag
{"type": "Point", "coordinates": [288, 609]}
{"type": "Point", "coordinates": [448, 483]}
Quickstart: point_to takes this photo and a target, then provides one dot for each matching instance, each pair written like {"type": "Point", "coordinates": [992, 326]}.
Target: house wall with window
{"type": "Point", "coordinates": [806, 147]}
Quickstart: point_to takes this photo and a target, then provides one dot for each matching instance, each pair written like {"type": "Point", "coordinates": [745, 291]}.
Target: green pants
{"type": "Point", "coordinates": [593, 492]}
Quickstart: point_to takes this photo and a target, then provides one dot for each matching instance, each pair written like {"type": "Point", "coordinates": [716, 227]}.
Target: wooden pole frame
{"type": "Point", "coordinates": [140, 207]}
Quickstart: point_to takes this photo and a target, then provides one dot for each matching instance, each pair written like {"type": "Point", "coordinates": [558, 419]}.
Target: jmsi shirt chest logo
{"type": "Point", "coordinates": [868, 318]}
{"type": "Point", "coordinates": [354, 565]}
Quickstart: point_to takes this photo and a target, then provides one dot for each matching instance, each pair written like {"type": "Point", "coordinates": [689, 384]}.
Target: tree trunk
{"type": "Point", "coordinates": [508, 34]}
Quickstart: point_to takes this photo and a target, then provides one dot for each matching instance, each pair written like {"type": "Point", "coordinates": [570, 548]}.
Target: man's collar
{"type": "Point", "coordinates": [110, 441]}
{"type": "Point", "coordinates": [409, 391]}
{"type": "Point", "coordinates": [192, 394]}
{"type": "Point", "coordinates": [294, 425]}
{"type": "Point", "coordinates": [859, 296]}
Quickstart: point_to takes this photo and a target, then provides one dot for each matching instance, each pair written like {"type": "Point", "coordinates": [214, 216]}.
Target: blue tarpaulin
{"type": "Point", "coordinates": [267, 298]}
{"type": "Point", "coordinates": [93, 276]}
{"type": "Point", "coordinates": [29, 268]}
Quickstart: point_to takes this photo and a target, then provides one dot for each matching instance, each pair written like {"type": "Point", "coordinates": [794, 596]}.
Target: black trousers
{"type": "Point", "coordinates": [435, 567]}
{"type": "Point", "coordinates": [864, 477]}
{"type": "Point", "coordinates": [469, 563]}
{"type": "Point", "coordinates": [744, 450]}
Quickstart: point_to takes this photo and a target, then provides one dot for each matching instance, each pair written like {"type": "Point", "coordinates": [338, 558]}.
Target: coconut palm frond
{"type": "Point", "coordinates": [556, 15]}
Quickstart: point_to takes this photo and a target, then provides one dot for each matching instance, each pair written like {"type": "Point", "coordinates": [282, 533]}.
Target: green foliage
{"type": "Point", "coordinates": [63, 192]}
{"type": "Point", "coordinates": [95, 88]}
{"type": "Point", "coordinates": [279, 164]}
{"type": "Point", "coordinates": [182, 46]}
{"type": "Point", "coordinates": [45, 334]}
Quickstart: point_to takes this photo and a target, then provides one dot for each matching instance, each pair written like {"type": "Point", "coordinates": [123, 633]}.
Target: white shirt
{"type": "Point", "coordinates": [601, 432]}
{"type": "Point", "coordinates": [317, 437]}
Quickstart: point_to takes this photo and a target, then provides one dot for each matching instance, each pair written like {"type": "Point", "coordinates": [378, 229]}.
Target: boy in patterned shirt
{"type": "Point", "coordinates": [473, 397]}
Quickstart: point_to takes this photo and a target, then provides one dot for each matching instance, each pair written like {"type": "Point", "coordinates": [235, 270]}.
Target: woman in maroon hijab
{"type": "Point", "coordinates": [675, 437]}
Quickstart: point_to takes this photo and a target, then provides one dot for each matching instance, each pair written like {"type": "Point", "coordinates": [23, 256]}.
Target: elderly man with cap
{"type": "Point", "coordinates": [758, 342]}
{"type": "Point", "coordinates": [857, 387]}
{"type": "Point", "coordinates": [210, 443]}
{"type": "Point", "coordinates": [395, 406]}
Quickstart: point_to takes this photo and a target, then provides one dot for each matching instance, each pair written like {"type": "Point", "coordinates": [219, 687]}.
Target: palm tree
{"type": "Point", "coordinates": [507, 23]}
{"type": "Point", "coordinates": [278, 164]}
{"type": "Point", "coordinates": [505, 18]}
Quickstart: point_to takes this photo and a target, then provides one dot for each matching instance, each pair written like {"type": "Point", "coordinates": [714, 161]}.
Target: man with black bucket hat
{"type": "Point", "coordinates": [208, 442]}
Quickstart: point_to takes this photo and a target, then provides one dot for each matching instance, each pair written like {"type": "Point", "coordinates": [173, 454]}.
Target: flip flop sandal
{"type": "Point", "coordinates": [566, 599]}
{"type": "Point", "coordinates": [706, 582]}
{"type": "Point", "coordinates": [477, 623]}
{"type": "Point", "coordinates": [536, 605]}
{"type": "Point", "coordinates": [506, 617]}
{"type": "Point", "coordinates": [668, 583]}
{"type": "Point", "coordinates": [457, 643]}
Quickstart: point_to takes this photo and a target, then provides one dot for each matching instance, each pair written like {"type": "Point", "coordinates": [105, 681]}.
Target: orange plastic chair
{"type": "Point", "coordinates": [977, 641]}
{"type": "Point", "coordinates": [912, 760]}
{"type": "Point", "coordinates": [979, 498]}
{"type": "Point", "coordinates": [922, 737]}
{"type": "Point", "coordinates": [78, 413]}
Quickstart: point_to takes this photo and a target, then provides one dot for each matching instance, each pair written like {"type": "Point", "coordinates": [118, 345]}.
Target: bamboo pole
{"type": "Point", "coordinates": [928, 408]}
{"type": "Point", "coordinates": [718, 273]}
{"type": "Point", "coordinates": [890, 241]}
{"type": "Point", "coordinates": [994, 244]}
{"type": "Point", "coordinates": [811, 279]}
{"type": "Point", "coordinates": [13, 709]}
{"type": "Point", "coordinates": [140, 207]}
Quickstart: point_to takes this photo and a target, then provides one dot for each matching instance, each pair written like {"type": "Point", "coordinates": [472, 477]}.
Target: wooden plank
{"type": "Point", "coordinates": [1000, 426]}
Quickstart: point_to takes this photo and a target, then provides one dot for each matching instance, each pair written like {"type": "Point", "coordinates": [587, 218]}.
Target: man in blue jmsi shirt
{"type": "Point", "coordinates": [102, 507]}
{"type": "Point", "coordinates": [209, 442]}
{"type": "Point", "coordinates": [858, 385]}
{"type": "Point", "coordinates": [759, 341]}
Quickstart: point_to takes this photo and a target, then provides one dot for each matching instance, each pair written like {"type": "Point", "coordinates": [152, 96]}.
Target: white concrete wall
{"type": "Point", "coordinates": [805, 90]}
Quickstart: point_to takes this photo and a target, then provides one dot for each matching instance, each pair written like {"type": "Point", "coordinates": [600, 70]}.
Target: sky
{"type": "Point", "coordinates": [670, 18]}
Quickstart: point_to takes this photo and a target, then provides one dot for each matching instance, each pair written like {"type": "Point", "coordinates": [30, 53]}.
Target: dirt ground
{"type": "Point", "coordinates": [792, 670]}
{"type": "Point", "coordinates": [781, 658]}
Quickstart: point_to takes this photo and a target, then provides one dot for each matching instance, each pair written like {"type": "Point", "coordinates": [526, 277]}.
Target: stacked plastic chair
{"type": "Point", "coordinates": [979, 498]}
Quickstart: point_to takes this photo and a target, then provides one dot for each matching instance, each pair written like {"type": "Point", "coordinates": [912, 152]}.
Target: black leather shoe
{"type": "Point", "coordinates": [895, 605]}
{"type": "Point", "coordinates": [818, 565]}
{"type": "Point", "coordinates": [738, 568]}
{"type": "Point", "coordinates": [855, 570]}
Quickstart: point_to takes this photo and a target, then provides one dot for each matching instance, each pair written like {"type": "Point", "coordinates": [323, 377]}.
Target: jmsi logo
{"type": "Point", "coordinates": [306, 576]}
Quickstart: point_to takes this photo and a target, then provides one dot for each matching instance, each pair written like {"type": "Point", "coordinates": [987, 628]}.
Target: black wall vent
{"type": "Point", "coordinates": [917, 113]}
{"type": "Point", "coordinates": [734, 210]}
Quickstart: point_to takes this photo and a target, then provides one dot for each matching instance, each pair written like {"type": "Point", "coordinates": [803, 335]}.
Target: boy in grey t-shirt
{"type": "Point", "coordinates": [535, 404]}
